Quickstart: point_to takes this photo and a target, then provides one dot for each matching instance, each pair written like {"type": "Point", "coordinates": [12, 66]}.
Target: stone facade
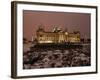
{"type": "Point", "coordinates": [57, 36]}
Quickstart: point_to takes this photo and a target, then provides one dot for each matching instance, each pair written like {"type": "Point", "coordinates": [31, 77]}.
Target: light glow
{"type": "Point", "coordinates": [45, 41]}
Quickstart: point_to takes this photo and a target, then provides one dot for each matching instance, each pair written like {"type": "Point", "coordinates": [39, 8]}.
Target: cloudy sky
{"type": "Point", "coordinates": [71, 21]}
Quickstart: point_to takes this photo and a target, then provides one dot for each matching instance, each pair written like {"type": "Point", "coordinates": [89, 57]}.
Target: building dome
{"type": "Point", "coordinates": [56, 29]}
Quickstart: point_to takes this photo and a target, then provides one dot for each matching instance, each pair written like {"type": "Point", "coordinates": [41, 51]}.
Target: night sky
{"type": "Point", "coordinates": [71, 21]}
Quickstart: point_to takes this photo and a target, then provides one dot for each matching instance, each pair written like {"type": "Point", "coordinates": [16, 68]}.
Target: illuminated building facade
{"type": "Point", "coordinates": [57, 36]}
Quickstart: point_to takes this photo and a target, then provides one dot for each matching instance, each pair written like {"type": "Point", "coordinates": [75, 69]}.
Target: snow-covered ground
{"type": "Point", "coordinates": [56, 57]}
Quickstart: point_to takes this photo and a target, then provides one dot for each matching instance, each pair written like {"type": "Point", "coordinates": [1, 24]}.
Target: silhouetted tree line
{"type": "Point", "coordinates": [25, 41]}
